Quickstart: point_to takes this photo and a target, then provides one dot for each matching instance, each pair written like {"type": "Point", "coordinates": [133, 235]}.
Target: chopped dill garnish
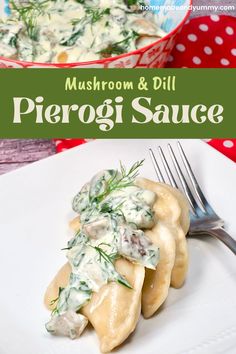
{"type": "Point", "coordinates": [28, 14]}
{"type": "Point", "coordinates": [120, 47]}
{"type": "Point", "coordinates": [73, 38]}
{"type": "Point", "coordinates": [110, 258]}
{"type": "Point", "coordinates": [125, 179]}
{"type": "Point", "coordinates": [107, 207]}
{"type": "Point", "coordinates": [124, 282]}
{"type": "Point", "coordinates": [96, 14]}
{"type": "Point", "coordinates": [59, 293]}
{"type": "Point", "coordinates": [66, 248]}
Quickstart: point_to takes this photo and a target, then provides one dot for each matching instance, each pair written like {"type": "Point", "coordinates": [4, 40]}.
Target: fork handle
{"type": "Point", "coordinates": [224, 237]}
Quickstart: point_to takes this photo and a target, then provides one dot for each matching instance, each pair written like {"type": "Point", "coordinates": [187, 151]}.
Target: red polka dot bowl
{"type": "Point", "coordinates": [173, 15]}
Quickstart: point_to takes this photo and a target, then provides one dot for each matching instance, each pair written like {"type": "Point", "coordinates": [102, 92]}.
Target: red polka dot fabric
{"type": "Point", "coordinates": [204, 42]}
{"type": "Point", "coordinates": [65, 144]}
{"type": "Point", "coordinates": [225, 146]}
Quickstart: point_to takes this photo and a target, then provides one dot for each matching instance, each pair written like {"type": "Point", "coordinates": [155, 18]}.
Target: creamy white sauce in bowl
{"type": "Point", "coordinates": [70, 31]}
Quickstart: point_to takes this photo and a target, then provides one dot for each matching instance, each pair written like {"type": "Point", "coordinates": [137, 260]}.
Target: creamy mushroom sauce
{"type": "Point", "coordinates": [113, 213]}
{"type": "Point", "coordinates": [65, 31]}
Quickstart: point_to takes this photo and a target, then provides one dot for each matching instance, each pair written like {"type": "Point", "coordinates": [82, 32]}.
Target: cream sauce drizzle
{"type": "Point", "coordinates": [113, 214]}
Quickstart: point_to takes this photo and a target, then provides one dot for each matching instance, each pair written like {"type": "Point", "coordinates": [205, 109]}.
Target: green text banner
{"type": "Point", "coordinates": [115, 103]}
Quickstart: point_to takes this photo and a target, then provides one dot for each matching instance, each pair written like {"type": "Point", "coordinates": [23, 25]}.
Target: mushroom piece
{"type": "Point", "coordinates": [70, 324]}
{"type": "Point", "coordinates": [144, 27]}
{"type": "Point", "coordinates": [145, 40]}
{"type": "Point", "coordinates": [134, 245]}
{"type": "Point", "coordinates": [8, 51]}
{"type": "Point", "coordinates": [96, 228]}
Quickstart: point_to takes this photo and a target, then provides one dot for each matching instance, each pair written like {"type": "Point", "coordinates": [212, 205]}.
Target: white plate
{"type": "Point", "coordinates": [34, 212]}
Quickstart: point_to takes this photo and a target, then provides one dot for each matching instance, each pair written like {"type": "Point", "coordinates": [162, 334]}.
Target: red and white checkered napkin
{"type": "Point", "coordinates": [204, 42]}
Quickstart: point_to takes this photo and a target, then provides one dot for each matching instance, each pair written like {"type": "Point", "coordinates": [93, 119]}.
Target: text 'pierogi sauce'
{"type": "Point", "coordinates": [65, 31]}
{"type": "Point", "coordinates": [113, 213]}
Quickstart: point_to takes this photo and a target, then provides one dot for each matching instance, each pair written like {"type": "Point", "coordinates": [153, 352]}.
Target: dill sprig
{"type": "Point", "coordinates": [121, 180]}
{"type": "Point", "coordinates": [110, 258]}
{"type": "Point", "coordinates": [28, 14]}
{"type": "Point", "coordinates": [132, 173]}
{"type": "Point", "coordinates": [123, 282]}
{"type": "Point", "coordinates": [92, 15]}
{"type": "Point", "coordinates": [131, 2]}
{"type": "Point", "coordinates": [97, 14]}
{"type": "Point", "coordinates": [59, 293]}
{"type": "Point", "coordinates": [120, 47]}
{"type": "Point", "coordinates": [107, 207]}
{"type": "Point", "coordinates": [66, 248]}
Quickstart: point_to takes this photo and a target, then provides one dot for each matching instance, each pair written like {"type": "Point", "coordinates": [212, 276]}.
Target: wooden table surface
{"type": "Point", "coordinates": [15, 153]}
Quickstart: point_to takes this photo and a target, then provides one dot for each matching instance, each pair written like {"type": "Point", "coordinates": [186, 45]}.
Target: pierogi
{"type": "Point", "coordinates": [129, 248]}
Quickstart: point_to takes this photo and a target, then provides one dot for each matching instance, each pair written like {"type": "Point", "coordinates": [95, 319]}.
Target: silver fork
{"type": "Point", "coordinates": [204, 220]}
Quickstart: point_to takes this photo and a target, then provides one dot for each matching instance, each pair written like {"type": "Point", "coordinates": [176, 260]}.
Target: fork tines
{"type": "Point", "coordinates": [197, 200]}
